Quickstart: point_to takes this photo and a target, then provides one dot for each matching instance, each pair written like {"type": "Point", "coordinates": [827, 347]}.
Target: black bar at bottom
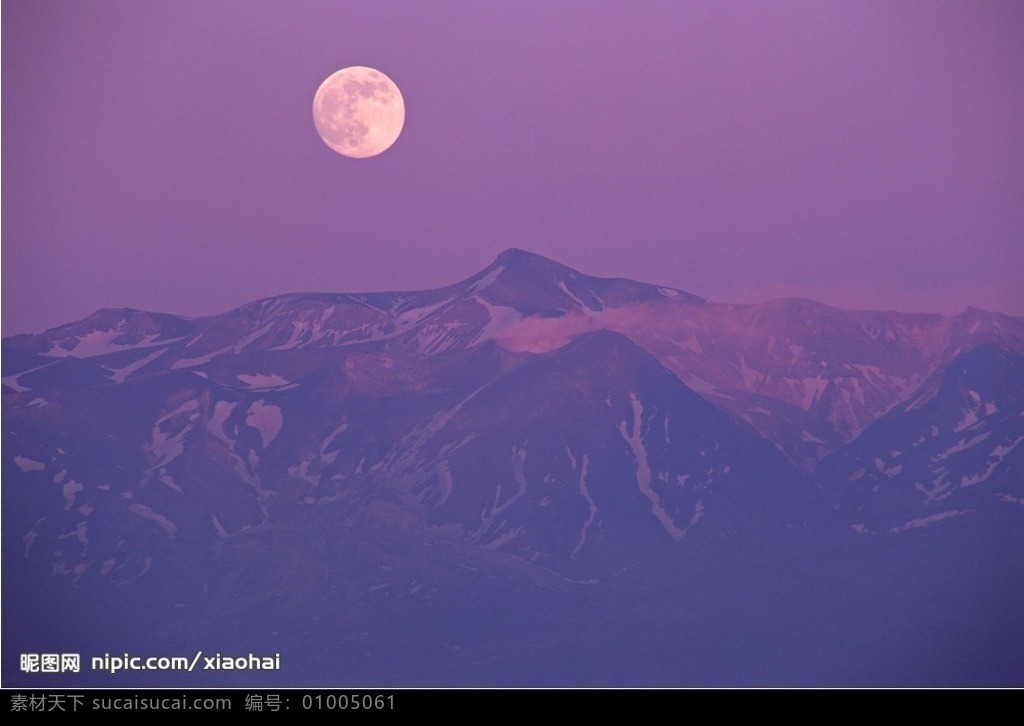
{"type": "Point", "coordinates": [370, 701]}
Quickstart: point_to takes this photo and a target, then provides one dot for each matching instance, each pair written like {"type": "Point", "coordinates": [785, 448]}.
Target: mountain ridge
{"type": "Point", "coordinates": [528, 457]}
{"type": "Point", "coordinates": [743, 356]}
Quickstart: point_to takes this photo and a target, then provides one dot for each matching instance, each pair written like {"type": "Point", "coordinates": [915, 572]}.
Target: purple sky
{"type": "Point", "coordinates": [162, 155]}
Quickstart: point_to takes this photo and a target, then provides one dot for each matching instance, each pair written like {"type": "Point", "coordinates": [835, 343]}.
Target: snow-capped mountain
{"type": "Point", "coordinates": [479, 475]}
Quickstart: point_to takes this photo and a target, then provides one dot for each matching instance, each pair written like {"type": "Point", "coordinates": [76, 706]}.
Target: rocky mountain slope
{"type": "Point", "coordinates": [480, 483]}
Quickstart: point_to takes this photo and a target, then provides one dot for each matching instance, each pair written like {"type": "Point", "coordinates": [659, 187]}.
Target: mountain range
{"type": "Point", "coordinates": [531, 477]}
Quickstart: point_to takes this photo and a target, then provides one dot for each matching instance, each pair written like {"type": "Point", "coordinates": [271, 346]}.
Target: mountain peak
{"type": "Point", "coordinates": [520, 260]}
{"type": "Point", "coordinates": [534, 284]}
{"type": "Point", "coordinates": [512, 255]}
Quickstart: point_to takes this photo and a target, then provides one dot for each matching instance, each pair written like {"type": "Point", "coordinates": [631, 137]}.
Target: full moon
{"type": "Point", "coordinates": [358, 112]}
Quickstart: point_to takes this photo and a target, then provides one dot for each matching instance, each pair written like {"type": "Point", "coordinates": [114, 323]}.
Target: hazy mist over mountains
{"type": "Point", "coordinates": [531, 477]}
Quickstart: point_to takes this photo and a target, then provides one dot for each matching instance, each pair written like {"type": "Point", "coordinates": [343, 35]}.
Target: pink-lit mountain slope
{"type": "Point", "coordinates": [806, 376]}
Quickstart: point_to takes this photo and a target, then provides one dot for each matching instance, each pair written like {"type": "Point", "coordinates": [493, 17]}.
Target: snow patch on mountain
{"type": "Point", "coordinates": [301, 471]}
{"type": "Point", "coordinates": [218, 527]}
{"type": "Point", "coordinates": [12, 383]}
{"type": "Point", "coordinates": [101, 342]}
{"type": "Point", "coordinates": [888, 471]}
{"type": "Point", "coordinates": [147, 513]}
{"type": "Point", "coordinates": [80, 532]}
{"type": "Point", "coordinates": [495, 508]}
{"type": "Point", "coordinates": [518, 471]}
{"type": "Point", "coordinates": [582, 305]}
{"type": "Point", "coordinates": [503, 538]}
{"type": "Point", "coordinates": [221, 411]}
{"type": "Point", "coordinates": [266, 418]}
{"type": "Point", "coordinates": [262, 381]}
{"type": "Point", "coordinates": [189, 362]}
{"type": "Point", "coordinates": [441, 419]}
{"type": "Point", "coordinates": [167, 439]}
{"type": "Point", "coordinates": [643, 469]}
{"type": "Point", "coordinates": [444, 478]}
{"type": "Point", "coordinates": [811, 390]}
{"type": "Point", "coordinates": [590, 504]}
{"type": "Point", "coordinates": [487, 280]}
{"type": "Point", "coordinates": [30, 537]}
{"type": "Point", "coordinates": [499, 320]}
{"type": "Point", "coordinates": [698, 514]}
{"type": "Point", "coordinates": [326, 456]}
{"type": "Point", "coordinates": [925, 521]}
{"type": "Point", "coordinates": [962, 445]}
{"type": "Point", "coordinates": [119, 374]}
{"type": "Point", "coordinates": [939, 487]}
{"type": "Point", "coordinates": [168, 480]}
{"type": "Point", "coordinates": [252, 337]}
{"type": "Point", "coordinates": [26, 464]}
{"type": "Point", "coordinates": [969, 418]}
{"type": "Point", "coordinates": [69, 490]}
{"type": "Point", "coordinates": [298, 336]}
{"type": "Point", "coordinates": [408, 319]}
{"type": "Point", "coordinates": [436, 336]}
{"type": "Point", "coordinates": [992, 462]}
